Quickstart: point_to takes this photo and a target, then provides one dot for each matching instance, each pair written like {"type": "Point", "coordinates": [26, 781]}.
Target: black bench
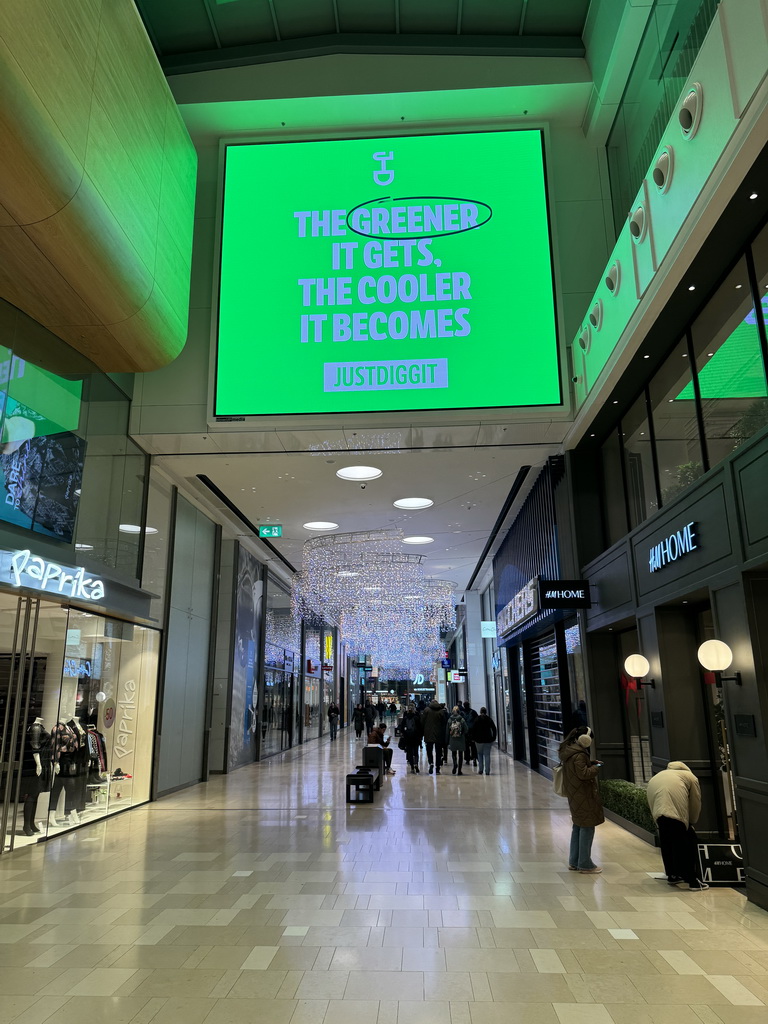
{"type": "Point", "coordinates": [363, 783]}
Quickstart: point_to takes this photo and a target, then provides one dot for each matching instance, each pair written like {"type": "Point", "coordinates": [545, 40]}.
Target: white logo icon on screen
{"type": "Point", "coordinates": [384, 176]}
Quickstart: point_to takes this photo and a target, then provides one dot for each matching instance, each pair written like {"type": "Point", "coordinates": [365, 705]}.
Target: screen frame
{"type": "Point", "coordinates": [458, 412]}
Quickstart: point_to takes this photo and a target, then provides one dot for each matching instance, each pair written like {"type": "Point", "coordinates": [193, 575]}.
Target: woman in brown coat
{"type": "Point", "coordinates": [580, 778]}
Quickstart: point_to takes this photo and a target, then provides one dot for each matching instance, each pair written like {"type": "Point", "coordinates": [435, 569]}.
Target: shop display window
{"type": "Point", "coordinates": [675, 424]}
{"type": "Point", "coordinates": [730, 366]}
{"type": "Point", "coordinates": [638, 461]}
{"type": "Point", "coordinates": [282, 644]}
{"type": "Point", "coordinates": [312, 682]}
{"type": "Point", "coordinates": [77, 702]}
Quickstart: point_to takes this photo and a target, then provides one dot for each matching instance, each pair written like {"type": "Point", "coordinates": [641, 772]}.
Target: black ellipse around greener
{"type": "Point", "coordinates": [406, 199]}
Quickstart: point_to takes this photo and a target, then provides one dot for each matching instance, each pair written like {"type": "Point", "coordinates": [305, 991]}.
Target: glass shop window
{"type": "Point", "coordinates": [675, 426]}
{"type": "Point", "coordinates": [729, 363]}
{"type": "Point", "coordinates": [614, 505]}
{"type": "Point", "coordinates": [638, 458]}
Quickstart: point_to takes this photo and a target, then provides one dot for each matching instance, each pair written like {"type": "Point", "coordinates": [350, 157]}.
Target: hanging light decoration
{"type": "Point", "coordinates": [377, 595]}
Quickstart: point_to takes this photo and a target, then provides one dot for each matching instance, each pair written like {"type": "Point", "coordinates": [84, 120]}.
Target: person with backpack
{"type": "Point", "coordinates": [470, 717]}
{"type": "Point", "coordinates": [410, 738]}
{"type": "Point", "coordinates": [483, 735]}
{"type": "Point", "coordinates": [433, 730]}
{"type": "Point", "coordinates": [456, 739]}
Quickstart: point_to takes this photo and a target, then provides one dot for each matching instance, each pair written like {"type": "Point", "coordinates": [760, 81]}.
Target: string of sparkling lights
{"type": "Point", "coordinates": [379, 597]}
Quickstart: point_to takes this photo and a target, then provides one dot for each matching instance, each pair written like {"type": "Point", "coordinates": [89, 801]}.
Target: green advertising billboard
{"type": "Point", "coordinates": [382, 274]}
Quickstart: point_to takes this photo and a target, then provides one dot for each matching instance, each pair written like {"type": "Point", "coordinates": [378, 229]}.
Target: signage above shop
{"type": "Point", "coordinates": [564, 594]}
{"type": "Point", "coordinates": [23, 569]}
{"type": "Point", "coordinates": [523, 605]}
{"type": "Point", "coordinates": [271, 530]}
{"type": "Point", "coordinates": [488, 630]}
{"type": "Point", "coordinates": [676, 545]}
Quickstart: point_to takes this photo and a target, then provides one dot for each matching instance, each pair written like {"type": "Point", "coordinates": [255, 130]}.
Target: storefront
{"type": "Point", "coordinates": [77, 697]}
{"type": "Point", "coordinates": [539, 679]}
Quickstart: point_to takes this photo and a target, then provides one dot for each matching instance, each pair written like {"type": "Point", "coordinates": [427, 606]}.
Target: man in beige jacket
{"type": "Point", "coordinates": [674, 797]}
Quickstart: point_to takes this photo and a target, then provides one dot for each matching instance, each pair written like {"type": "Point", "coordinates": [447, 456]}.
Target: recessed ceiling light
{"type": "Point", "coordinates": [411, 597]}
{"type": "Point", "coordinates": [646, 357]}
{"type": "Point", "coordinates": [130, 528]}
{"type": "Point", "coordinates": [753, 195]}
{"type": "Point", "coordinates": [418, 540]}
{"type": "Point", "coordinates": [615, 401]}
{"type": "Point", "coordinates": [83, 547]}
{"type": "Point", "coordinates": [347, 574]}
{"type": "Point", "coordinates": [739, 286]}
{"type": "Point", "coordinates": [319, 526]}
{"type": "Point", "coordinates": [413, 503]}
{"type": "Point", "coordinates": [359, 473]}
{"type": "Point", "coordinates": [691, 287]}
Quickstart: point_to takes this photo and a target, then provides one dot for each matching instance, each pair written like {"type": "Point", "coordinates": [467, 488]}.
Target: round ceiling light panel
{"type": "Point", "coordinates": [413, 503]}
{"type": "Point", "coordinates": [418, 540]}
{"type": "Point", "coordinates": [319, 527]}
{"type": "Point", "coordinates": [130, 528]}
{"type": "Point", "coordinates": [358, 473]}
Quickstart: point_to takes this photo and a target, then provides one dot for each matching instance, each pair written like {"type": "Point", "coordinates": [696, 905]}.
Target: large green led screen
{"type": "Point", "coordinates": [385, 274]}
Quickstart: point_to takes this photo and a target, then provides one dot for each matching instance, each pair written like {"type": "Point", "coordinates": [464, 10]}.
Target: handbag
{"type": "Point", "coordinates": [558, 780]}
{"type": "Point", "coordinates": [401, 743]}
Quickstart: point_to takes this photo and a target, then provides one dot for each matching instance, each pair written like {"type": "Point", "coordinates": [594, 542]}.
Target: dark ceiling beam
{"type": "Point", "coordinates": [212, 23]}
{"type": "Point", "coordinates": [402, 45]}
{"type": "Point", "coordinates": [523, 12]}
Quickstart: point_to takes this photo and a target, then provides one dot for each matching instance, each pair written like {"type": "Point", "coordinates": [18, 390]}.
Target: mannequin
{"type": "Point", "coordinates": [65, 746]}
{"type": "Point", "coordinates": [36, 772]}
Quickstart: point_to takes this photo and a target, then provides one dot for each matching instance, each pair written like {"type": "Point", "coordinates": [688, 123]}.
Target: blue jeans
{"type": "Point", "coordinates": [483, 758]}
{"type": "Point", "coordinates": [581, 847]}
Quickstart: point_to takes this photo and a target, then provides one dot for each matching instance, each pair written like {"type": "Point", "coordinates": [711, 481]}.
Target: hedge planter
{"type": "Point", "coordinates": [627, 805]}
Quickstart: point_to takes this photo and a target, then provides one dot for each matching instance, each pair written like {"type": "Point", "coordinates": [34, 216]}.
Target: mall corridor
{"type": "Point", "coordinates": [262, 895]}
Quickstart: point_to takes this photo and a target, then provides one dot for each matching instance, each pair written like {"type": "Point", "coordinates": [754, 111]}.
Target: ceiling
{"type": "Point", "coordinates": [273, 28]}
{"type": "Point", "coordinates": [468, 486]}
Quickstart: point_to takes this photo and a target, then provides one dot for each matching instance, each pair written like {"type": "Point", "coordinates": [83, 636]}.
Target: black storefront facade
{"type": "Point", "coordinates": [695, 571]}
{"type": "Point", "coordinates": [541, 682]}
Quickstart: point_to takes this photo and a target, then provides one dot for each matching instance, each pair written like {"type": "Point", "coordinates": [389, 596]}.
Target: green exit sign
{"type": "Point", "coordinates": [275, 530]}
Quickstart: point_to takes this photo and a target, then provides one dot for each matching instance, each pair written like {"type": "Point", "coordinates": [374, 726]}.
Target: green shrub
{"type": "Point", "coordinates": [628, 801]}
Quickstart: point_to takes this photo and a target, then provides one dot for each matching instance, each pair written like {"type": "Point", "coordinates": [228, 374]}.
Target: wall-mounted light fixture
{"type": "Point", "coordinates": [637, 666]}
{"type": "Point", "coordinates": [716, 656]}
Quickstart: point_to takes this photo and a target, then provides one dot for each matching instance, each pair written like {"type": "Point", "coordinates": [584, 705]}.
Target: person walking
{"type": "Point", "coordinates": [483, 735]}
{"type": "Point", "coordinates": [456, 739]}
{"type": "Point", "coordinates": [580, 779]}
{"type": "Point", "coordinates": [443, 738]}
{"type": "Point", "coordinates": [410, 737]}
{"type": "Point", "coordinates": [470, 717]}
{"type": "Point", "coordinates": [370, 715]}
{"type": "Point", "coordinates": [433, 729]}
{"type": "Point", "coordinates": [381, 711]}
{"type": "Point", "coordinates": [674, 797]}
{"type": "Point", "coordinates": [358, 720]}
{"type": "Point", "coordinates": [334, 714]}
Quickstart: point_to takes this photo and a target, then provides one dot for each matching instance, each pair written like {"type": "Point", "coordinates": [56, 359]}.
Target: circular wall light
{"type": "Point", "coordinates": [418, 540]}
{"type": "Point", "coordinates": [714, 655]}
{"type": "Point", "coordinates": [596, 315]}
{"type": "Point", "coordinates": [689, 114]}
{"type": "Point", "coordinates": [413, 503]}
{"type": "Point", "coordinates": [130, 528]}
{"type": "Point", "coordinates": [638, 225]}
{"type": "Point", "coordinates": [613, 278]}
{"type": "Point", "coordinates": [636, 666]}
{"type": "Point", "coordinates": [358, 473]}
{"type": "Point", "coordinates": [320, 526]}
{"type": "Point", "coordinates": [585, 339]}
{"type": "Point", "coordinates": [662, 170]}
{"type": "Point", "coordinates": [101, 696]}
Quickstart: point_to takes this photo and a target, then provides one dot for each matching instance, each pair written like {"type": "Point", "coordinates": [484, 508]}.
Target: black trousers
{"type": "Point", "coordinates": [458, 755]}
{"type": "Point", "coordinates": [432, 749]}
{"type": "Point", "coordinates": [678, 849]}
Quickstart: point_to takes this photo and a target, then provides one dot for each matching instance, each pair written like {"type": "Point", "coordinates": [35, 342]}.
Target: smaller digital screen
{"type": "Point", "coordinates": [41, 479]}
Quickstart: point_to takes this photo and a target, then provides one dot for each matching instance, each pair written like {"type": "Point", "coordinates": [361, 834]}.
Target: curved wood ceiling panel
{"type": "Point", "coordinates": [97, 182]}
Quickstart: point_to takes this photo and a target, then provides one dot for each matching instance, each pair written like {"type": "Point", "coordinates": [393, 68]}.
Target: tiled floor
{"type": "Point", "coordinates": [263, 897]}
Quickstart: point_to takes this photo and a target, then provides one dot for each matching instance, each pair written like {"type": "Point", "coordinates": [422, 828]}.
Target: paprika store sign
{"type": "Point", "coordinates": [23, 569]}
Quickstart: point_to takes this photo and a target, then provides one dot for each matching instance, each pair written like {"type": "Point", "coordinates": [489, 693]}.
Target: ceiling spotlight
{"type": "Point", "coordinates": [130, 528]}
{"type": "Point", "coordinates": [646, 357]}
{"type": "Point", "coordinates": [359, 473]}
{"type": "Point", "coordinates": [347, 574]}
{"type": "Point", "coordinates": [691, 287]}
{"type": "Point", "coordinates": [320, 526]}
{"type": "Point", "coordinates": [418, 540]}
{"type": "Point", "coordinates": [753, 195]}
{"type": "Point", "coordinates": [412, 503]}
